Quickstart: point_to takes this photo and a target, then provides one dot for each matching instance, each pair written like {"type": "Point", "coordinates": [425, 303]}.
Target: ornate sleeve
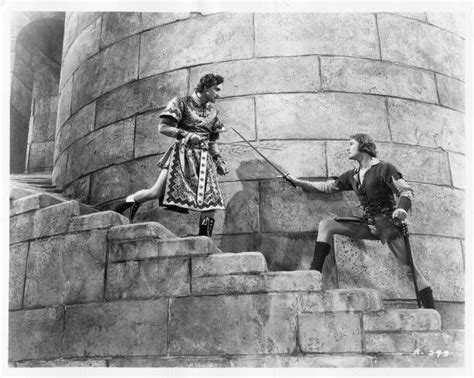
{"type": "Point", "coordinates": [394, 179]}
{"type": "Point", "coordinates": [170, 118]}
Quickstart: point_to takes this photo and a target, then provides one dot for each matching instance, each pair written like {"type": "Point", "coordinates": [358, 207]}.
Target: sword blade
{"type": "Point", "coordinates": [263, 156]}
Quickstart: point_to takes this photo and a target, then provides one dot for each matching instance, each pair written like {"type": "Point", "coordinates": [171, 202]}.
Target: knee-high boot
{"type": "Point", "coordinates": [426, 296]}
{"type": "Point", "coordinates": [206, 226]}
{"type": "Point", "coordinates": [321, 251]}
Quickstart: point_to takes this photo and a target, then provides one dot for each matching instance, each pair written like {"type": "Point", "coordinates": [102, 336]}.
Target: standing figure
{"type": "Point", "coordinates": [375, 183]}
{"type": "Point", "coordinates": [188, 180]}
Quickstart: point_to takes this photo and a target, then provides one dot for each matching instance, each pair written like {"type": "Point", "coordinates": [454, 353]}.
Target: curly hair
{"type": "Point", "coordinates": [366, 143]}
{"type": "Point", "coordinates": [208, 81]}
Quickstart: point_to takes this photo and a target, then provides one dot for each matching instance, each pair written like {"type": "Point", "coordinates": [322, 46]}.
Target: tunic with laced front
{"type": "Point", "coordinates": [191, 182]}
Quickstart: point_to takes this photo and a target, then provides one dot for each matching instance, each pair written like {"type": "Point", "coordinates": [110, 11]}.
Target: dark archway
{"type": "Point", "coordinates": [34, 89]}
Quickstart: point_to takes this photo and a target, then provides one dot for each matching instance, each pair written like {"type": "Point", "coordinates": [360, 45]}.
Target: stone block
{"type": "Point", "coordinates": [119, 25]}
{"type": "Point", "coordinates": [375, 77]}
{"type": "Point", "coordinates": [418, 44]}
{"type": "Point", "coordinates": [126, 328]}
{"type": "Point", "coordinates": [170, 362]}
{"type": "Point", "coordinates": [301, 158]}
{"type": "Point", "coordinates": [402, 320]}
{"type": "Point", "coordinates": [83, 47]}
{"type": "Point", "coordinates": [421, 361]}
{"type": "Point", "coordinates": [64, 363]}
{"type": "Point", "coordinates": [105, 71]}
{"type": "Point", "coordinates": [408, 342]}
{"type": "Point", "coordinates": [452, 315]}
{"type": "Point", "coordinates": [237, 113]}
{"type": "Point", "coordinates": [330, 333]}
{"type": "Point", "coordinates": [304, 361]}
{"type": "Point", "coordinates": [455, 22]}
{"type": "Point", "coordinates": [55, 219]}
{"type": "Point", "coordinates": [22, 52]}
{"type": "Point", "coordinates": [18, 191]}
{"type": "Point", "coordinates": [22, 227]}
{"type": "Point", "coordinates": [22, 70]}
{"type": "Point", "coordinates": [59, 175]}
{"type": "Point", "coordinates": [229, 263]}
{"type": "Point", "coordinates": [70, 30]}
{"type": "Point", "coordinates": [420, 16]}
{"type": "Point", "coordinates": [140, 96]}
{"type": "Point", "coordinates": [79, 125]}
{"type": "Point", "coordinates": [64, 104]}
{"type": "Point", "coordinates": [284, 209]}
{"type": "Point", "coordinates": [43, 128]}
{"type": "Point", "coordinates": [261, 283]}
{"type": "Point", "coordinates": [41, 155]}
{"type": "Point", "coordinates": [84, 19]}
{"type": "Point", "coordinates": [88, 154]}
{"type": "Point", "coordinates": [451, 92]}
{"type": "Point", "coordinates": [145, 248]}
{"type": "Point", "coordinates": [149, 230]}
{"type": "Point", "coordinates": [272, 75]}
{"type": "Point", "coordinates": [289, 34]}
{"type": "Point", "coordinates": [154, 19]}
{"type": "Point", "coordinates": [118, 181]}
{"type": "Point", "coordinates": [244, 324]}
{"type": "Point", "coordinates": [320, 116]}
{"type": "Point", "coordinates": [241, 200]}
{"type": "Point", "coordinates": [34, 202]}
{"type": "Point", "coordinates": [148, 139]}
{"type": "Point", "coordinates": [103, 219]}
{"type": "Point", "coordinates": [148, 279]}
{"type": "Point", "coordinates": [435, 204]}
{"type": "Point", "coordinates": [17, 271]}
{"type": "Point", "coordinates": [426, 125]}
{"type": "Point", "coordinates": [191, 42]}
{"type": "Point", "coordinates": [415, 163]}
{"type": "Point", "coordinates": [35, 334]}
{"type": "Point", "coordinates": [370, 264]}
{"type": "Point", "coordinates": [66, 269]}
{"type": "Point", "coordinates": [347, 300]}
{"type": "Point", "coordinates": [78, 189]}
{"type": "Point", "coordinates": [20, 96]}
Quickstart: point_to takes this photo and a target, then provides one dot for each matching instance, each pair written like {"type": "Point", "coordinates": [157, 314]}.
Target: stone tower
{"type": "Point", "coordinates": [296, 85]}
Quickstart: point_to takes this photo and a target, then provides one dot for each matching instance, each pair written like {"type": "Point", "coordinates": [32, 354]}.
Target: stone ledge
{"type": "Point", "coordinates": [403, 320]}
{"type": "Point", "coordinates": [261, 283]}
{"type": "Point", "coordinates": [148, 279]}
{"type": "Point", "coordinates": [34, 202]}
{"type": "Point", "coordinates": [99, 220]}
{"type": "Point", "coordinates": [330, 332]}
{"type": "Point", "coordinates": [139, 231]}
{"type": "Point", "coordinates": [229, 263]}
{"type": "Point", "coordinates": [146, 248]}
{"type": "Point", "coordinates": [82, 363]}
{"type": "Point", "coordinates": [411, 361]}
{"type": "Point", "coordinates": [408, 342]}
{"type": "Point", "coordinates": [364, 300]}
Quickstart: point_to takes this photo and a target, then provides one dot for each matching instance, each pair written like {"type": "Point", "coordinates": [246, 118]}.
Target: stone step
{"type": "Point", "coordinates": [49, 221]}
{"type": "Point", "coordinates": [34, 202]}
{"type": "Point", "coordinates": [348, 300]}
{"type": "Point", "coordinates": [229, 263]}
{"type": "Point", "coordinates": [151, 230]}
{"type": "Point", "coordinates": [403, 320]}
{"type": "Point", "coordinates": [304, 280]}
{"type": "Point", "coordinates": [99, 220]}
{"type": "Point", "coordinates": [422, 343]}
{"type": "Point", "coordinates": [152, 248]}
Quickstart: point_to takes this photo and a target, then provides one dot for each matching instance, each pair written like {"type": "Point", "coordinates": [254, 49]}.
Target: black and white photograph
{"type": "Point", "coordinates": [206, 187]}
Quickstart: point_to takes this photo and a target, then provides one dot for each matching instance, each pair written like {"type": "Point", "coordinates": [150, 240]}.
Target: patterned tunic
{"type": "Point", "coordinates": [191, 182]}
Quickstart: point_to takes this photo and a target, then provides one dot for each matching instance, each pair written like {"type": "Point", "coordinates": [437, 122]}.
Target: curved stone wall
{"type": "Point", "coordinates": [297, 85]}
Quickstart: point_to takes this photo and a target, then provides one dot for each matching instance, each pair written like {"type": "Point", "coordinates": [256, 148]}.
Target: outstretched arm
{"type": "Point", "coordinates": [327, 187]}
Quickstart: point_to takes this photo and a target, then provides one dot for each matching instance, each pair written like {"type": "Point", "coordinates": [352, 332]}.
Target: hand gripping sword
{"type": "Point", "coordinates": [404, 228]}
{"type": "Point", "coordinates": [285, 175]}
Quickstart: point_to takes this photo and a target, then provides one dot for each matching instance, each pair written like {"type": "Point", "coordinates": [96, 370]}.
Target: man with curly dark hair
{"type": "Point", "coordinates": [188, 180]}
{"type": "Point", "coordinates": [376, 183]}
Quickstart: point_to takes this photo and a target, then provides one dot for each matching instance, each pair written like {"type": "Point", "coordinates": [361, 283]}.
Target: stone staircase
{"type": "Point", "coordinates": [89, 289]}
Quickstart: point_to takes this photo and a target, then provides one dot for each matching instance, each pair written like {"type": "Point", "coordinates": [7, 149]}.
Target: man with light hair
{"type": "Point", "coordinates": [376, 184]}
